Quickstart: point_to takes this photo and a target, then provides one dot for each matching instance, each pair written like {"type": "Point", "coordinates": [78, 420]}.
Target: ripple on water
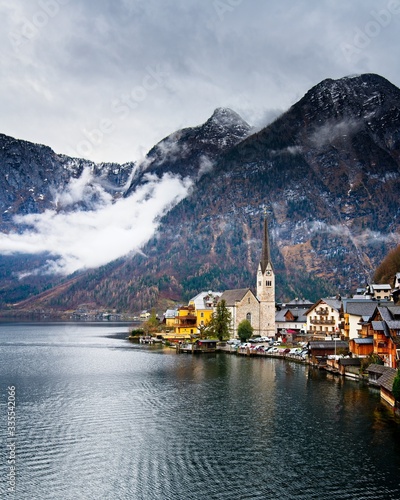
{"type": "Point", "coordinates": [132, 424]}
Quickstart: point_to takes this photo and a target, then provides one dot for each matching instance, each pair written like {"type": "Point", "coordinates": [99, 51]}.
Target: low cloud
{"type": "Point", "coordinates": [206, 166]}
{"type": "Point", "coordinates": [82, 239]}
{"type": "Point", "coordinates": [333, 130]}
{"type": "Point", "coordinates": [365, 238]}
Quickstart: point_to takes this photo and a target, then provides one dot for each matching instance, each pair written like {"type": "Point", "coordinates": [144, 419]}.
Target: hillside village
{"type": "Point", "coordinates": [364, 326]}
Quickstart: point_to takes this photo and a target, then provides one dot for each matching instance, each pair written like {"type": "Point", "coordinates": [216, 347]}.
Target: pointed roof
{"type": "Point", "coordinates": [231, 297]}
{"type": "Point", "coordinates": [266, 256]}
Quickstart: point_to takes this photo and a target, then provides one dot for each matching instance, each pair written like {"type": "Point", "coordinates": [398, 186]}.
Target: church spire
{"type": "Point", "coordinates": [266, 256]}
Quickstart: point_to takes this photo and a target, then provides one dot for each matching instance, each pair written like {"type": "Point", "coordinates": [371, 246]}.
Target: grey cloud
{"type": "Point", "coordinates": [255, 57]}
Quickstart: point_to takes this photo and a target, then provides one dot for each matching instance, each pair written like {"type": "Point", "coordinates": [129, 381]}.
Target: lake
{"type": "Point", "coordinates": [98, 417]}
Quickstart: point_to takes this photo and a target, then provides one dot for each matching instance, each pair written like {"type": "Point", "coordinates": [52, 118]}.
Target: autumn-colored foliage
{"type": "Point", "coordinates": [390, 265]}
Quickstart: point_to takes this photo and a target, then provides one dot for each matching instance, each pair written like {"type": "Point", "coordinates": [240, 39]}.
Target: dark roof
{"type": "Point", "coordinates": [302, 303]}
{"type": "Point", "coordinates": [385, 313]}
{"type": "Point", "coordinates": [360, 308]}
{"type": "Point", "coordinates": [334, 303]}
{"type": "Point", "coordinates": [375, 368]}
{"type": "Point", "coordinates": [375, 286]}
{"type": "Point", "coordinates": [233, 296]}
{"type": "Point", "coordinates": [350, 361]}
{"type": "Point", "coordinates": [367, 340]}
{"type": "Point", "coordinates": [298, 315]}
{"type": "Point", "coordinates": [381, 326]}
{"type": "Point", "coordinates": [387, 378]}
{"type": "Point", "coordinates": [394, 311]}
{"type": "Point", "coordinates": [328, 344]}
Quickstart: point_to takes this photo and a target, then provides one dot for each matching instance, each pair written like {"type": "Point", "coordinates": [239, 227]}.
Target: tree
{"type": "Point", "coordinates": [221, 321]}
{"type": "Point", "coordinates": [151, 325]}
{"type": "Point", "coordinates": [245, 330]}
{"type": "Point", "coordinates": [396, 386]}
{"type": "Point", "coordinates": [203, 330]}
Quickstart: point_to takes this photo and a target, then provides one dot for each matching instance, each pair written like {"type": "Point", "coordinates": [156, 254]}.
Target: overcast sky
{"type": "Point", "coordinates": [107, 79]}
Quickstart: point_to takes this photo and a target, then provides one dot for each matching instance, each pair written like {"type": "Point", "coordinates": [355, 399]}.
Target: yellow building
{"type": "Point", "coordinates": [185, 322]}
{"type": "Point", "coordinates": [169, 319]}
{"type": "Point", "coordinates": [204, 304]}
{"type": "Point", "coordinates": [198, 313]}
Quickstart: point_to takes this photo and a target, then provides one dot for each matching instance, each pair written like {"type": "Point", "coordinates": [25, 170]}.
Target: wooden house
{"type": "Point", "coordinates": [383, 376]}
{"type": "Point", "coordinates": [385, 325]}
{"type": "Point", "coordinates": [362, 347]}
{"type": "Point", "coordinates": [320, 350]}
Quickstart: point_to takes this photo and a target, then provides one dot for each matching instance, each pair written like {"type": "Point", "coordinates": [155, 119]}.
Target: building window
{"type": "Point", "coordinates": [268, 283]}
{"type": "Point", "coordinates": [248, 300]}
{"type": "Point", "coordinates": [248, 317]}
{"type": "Point", "coordinates": [202, 315]}
{"type": "Point", "coordinates": [259, 283]}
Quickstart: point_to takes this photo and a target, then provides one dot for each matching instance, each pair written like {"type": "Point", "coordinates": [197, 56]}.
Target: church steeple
{"type": "Point", "coordinates": [266, 287]}
{"type": "Point", "coordinates": [265, 256]}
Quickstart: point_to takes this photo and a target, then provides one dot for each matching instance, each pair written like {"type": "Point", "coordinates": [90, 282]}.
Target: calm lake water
{"type": "Point", "coordinates": [101, 418]}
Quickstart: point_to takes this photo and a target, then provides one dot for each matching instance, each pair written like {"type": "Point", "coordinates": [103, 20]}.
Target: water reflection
{"type": "Point", "coordinates": [99, 417]}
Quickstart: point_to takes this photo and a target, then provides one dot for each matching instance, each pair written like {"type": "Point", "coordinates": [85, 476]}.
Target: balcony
{"type": "Point", "coordinates": [322, 321]}
{"type": "Point", "coordinates": [322, 312]}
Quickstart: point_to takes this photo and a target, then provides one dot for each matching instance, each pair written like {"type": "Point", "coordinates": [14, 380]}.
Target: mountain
{"type": "Point", "coordinates": [326, 173]}
{"type": "Point", "coordinates": [192, 151]}
{"type": "Point", "coordinates": [33, 179]}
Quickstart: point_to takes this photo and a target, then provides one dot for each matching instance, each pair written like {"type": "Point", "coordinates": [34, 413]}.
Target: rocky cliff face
{"type": "Point", "coordinates": [326, 173]}
{"type": "Point", "coordinates": [33, 177]}
{"type": "Point", "coordinates": [192, 152]}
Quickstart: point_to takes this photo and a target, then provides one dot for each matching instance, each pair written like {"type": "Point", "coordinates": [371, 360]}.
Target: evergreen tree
{"type": "Point", "coordinates": [220, 321]}
{"type": "Point", "coordinates": [245, 330]}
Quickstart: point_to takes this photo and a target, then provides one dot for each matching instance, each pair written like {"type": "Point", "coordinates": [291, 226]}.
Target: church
{"type": "Point", "coordinates": [258, 309]}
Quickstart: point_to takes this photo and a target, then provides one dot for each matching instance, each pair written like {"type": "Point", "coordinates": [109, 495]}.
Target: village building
{"type": "Point", "coordinates": [396, 288]}
{"type": "Point", "coordinates": [362, 347]}
{"type": "Point", "coordinates": [324, 318]}
{"type": "Point", "coordinates": [185, 322]}
{"type": "Point", "coordinates": [386, 333]}
{"type": "Point", "coordinates": [320, 350]}
{"type": "Point", "coordinates": [355, 313]}
{"type": "Point", "coordinates": [204, 304]}
{"type": "Point", "coordinates": [242, 304]}
{"type": "Point", "coordinates": [379, 292]}
{"type": "Point", "coordinates": [188, 321]}
{"type": "Point", "coordinates": [291, 319]}
{"type": "Point", "coordinates": [169, 318]}
{"type": "Point", "coordinates": [383, 377]}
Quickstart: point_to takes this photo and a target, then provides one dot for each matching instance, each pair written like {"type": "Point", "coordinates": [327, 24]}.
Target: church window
{"type": "Point", "coordinates": [259, 283]}
{"type": "Point", "coordinates": [248, 317]}
{"type": "Point", "coordinates": [268, 283]}
{"type": "Point", "coordinates": [248, 300]}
